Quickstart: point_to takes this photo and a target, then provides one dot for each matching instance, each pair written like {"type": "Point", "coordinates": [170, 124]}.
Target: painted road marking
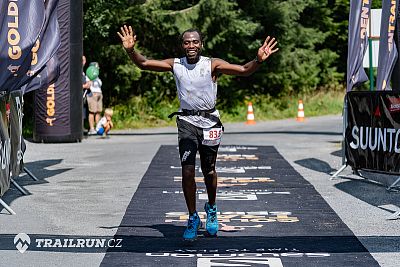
{"type": "Point", "coordinates": [235, 148]}
{"type": "Point", "coordinates": [239, 261]}
{"type": "Point", "coordinates": [232, 181]}
{"type": "Point", "coordinates": [233, 195]}
{"type": "Point", "coordinates": [234, 157]}
{"type": "Point", "coordinates": [232, 169]}
{"type": "Point", "coordinates": [242, 217]}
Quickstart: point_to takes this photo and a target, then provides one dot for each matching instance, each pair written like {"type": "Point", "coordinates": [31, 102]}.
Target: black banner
{"type": "Point", "coordinates": [15, 119]}
{"type": "Point", "coordinates": [387, 46]}
{"type": "Point", "coordinates": [21, 23]}
{"type": "Point", "coordinates": [357, 43]}
{"type": "Point", "coordinates": [268, 215]}
{"type": "Point", "coordinates": [58, 107]}
{"type": "Point", "coordinates": [4, 147]}
{"type": "Point", "coordinates": [373, 131]}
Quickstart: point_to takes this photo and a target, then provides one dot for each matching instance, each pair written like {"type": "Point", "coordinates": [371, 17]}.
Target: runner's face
{"type": "Point", "coordinates": [191, 45]}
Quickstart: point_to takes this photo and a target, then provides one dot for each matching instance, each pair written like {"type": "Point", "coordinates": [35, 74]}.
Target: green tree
{"type": "Point", "coordinates": [312, 37]}
{"type": "Point", "coordinates": [303, 63]}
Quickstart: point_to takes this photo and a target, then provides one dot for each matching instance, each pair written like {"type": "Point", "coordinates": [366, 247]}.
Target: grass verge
{"type": "Point", "coordinates": [137, 112]}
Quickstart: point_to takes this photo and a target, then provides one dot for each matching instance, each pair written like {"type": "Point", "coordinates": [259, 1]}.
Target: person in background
{"type": "Point", "coordinates": [95, 101]}
{"type": "Point", "coordinates": [105, 123]}
{"type": "Point", "coordinates": [86, 88]}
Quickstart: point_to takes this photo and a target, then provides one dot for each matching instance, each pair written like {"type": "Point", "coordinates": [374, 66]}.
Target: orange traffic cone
{"type": "Point", "coordinates": [300, 111]}
{"type": "Point", "coordinates": [250, 114]}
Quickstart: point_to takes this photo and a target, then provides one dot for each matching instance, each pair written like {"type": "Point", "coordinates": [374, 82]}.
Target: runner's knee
{"type": "Point", "coordinates": [188, 172]}
{"type": "Point", "coordinates": [208, 171]}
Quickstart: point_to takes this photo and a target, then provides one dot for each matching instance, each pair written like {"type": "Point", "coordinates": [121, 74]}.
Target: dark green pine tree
{"type": "Point", "coordinates": [312, 38]}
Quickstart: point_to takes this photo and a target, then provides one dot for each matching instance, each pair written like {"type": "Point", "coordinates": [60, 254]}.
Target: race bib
{"type": "Point", "coordinates": [212, 136]}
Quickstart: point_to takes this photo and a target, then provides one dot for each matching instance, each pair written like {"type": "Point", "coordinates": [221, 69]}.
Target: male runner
{"type": "Point", "coordinates": [199, 126]}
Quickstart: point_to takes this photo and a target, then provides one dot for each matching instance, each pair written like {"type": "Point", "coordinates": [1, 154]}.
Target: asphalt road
{"type": "Point", "coordinates": [85, 188]}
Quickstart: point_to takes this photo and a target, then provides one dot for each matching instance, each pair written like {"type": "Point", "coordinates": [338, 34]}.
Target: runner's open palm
{"type": "Point", "coordinates": [267, 49]}
{"type": "Point", "coordinates": [128, 38]}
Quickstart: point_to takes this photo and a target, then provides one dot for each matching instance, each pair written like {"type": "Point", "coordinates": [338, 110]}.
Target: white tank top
{"type": "Point", "coordinates": [196, 89]}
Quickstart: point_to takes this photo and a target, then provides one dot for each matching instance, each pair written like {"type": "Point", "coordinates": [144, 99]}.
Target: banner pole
{"type": "Point", "coordinates": [371, 68]}
{"type": "Point", "coordinates": [30, 174]}
{"type": "Point", "coordinates": [20, 189]}
{"type": "Point", "coordinates": [371, 65]}
{"type": "Point", "coordinates": [344, 161]}
{"type": "Point", "coordinates": [393, 185]}
{"type": "Point", "coordinates": [7, 207]}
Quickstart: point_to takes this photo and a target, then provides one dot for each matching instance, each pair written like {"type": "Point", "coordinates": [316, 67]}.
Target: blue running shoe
{"type": "Point", "coordinates": [212, 221]}
{"type": "Point", "coordinates": [194, 223]}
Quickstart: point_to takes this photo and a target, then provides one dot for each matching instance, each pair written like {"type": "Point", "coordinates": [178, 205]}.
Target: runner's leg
{"type": "Point", "coordinates": [187, 150]}
{"type": "Point", "coordinates": [189, 187]}
{"type": "Point", "coordinates": [208, 157]}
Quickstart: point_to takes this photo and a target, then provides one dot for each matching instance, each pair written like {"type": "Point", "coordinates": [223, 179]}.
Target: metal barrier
{"type": "Point", "coordinates": [12, 144]}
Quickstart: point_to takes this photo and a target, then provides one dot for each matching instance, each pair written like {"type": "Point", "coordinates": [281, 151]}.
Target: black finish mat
{"type": "Point", "coordinates": [269, 215]}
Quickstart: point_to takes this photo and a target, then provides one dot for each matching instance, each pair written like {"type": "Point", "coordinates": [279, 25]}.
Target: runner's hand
{"type": "Point", "coordinates": [128, 38]}
{"type": "Point", "coordinates": [267, 49]}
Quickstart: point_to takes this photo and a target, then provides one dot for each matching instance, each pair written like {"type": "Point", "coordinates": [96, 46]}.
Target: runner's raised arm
{"type": "Point", "coordinates": [128, 39]}
{"type": "Point", "coordinates": [220, 66]}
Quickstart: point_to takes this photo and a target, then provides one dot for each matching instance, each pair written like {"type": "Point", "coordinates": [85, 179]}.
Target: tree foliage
{"type": "Point", "coordinates": [312, 38]}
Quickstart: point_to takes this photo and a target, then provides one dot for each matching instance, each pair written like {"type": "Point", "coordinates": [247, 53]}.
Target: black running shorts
{"type": "Point", "coordinates": [190, 140]}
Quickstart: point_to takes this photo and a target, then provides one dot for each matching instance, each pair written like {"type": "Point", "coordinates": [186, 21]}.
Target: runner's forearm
{"type": "Point", "coordinates": [250, 67]}
{"type": "Point", "coordinates": [150, 64]}
{"type": "Point", "coordinates": [136, 57]}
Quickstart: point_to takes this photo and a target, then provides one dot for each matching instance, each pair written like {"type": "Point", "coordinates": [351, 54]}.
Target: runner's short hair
{"type": "Point", "coordinates": [191, 30]}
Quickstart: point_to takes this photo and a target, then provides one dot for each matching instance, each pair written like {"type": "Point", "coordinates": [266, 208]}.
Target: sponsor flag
{"type": "Point", "coordinates": [45, 71]}
{"type": "Point", "coordinates": [3, 15]}
{"type": "Point", "coordinates": [396, 70]}
{"type": "Point", "coordinates": [358, 41]}
{"type": "Point", "coordinates": [46, 46]}
{"type": "Point", "coordinates": [387, 46]}
{"type": "Point", "coordinates": [20, 26]}
{"type": "Point", "coordinates": [47, 76]}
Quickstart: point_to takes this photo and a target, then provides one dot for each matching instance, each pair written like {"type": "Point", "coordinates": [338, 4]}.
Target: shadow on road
{"type": "Point", "coordinates": [40, 171]}
{"type": "Point", "coordinates": [370, 191]}
{"type": "Point", "coordinates": [315, 165]}
{"type": "Point", "coordinates": [337, 153]}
